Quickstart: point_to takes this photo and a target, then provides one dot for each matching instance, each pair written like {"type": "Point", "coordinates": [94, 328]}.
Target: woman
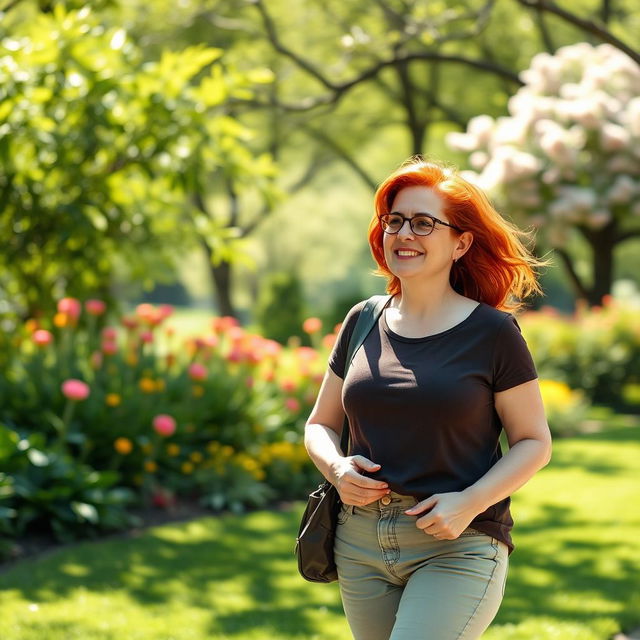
{"type": "Point", "coordinates": [424, 531]}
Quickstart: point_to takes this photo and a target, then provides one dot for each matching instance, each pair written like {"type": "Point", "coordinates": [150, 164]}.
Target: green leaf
{"type": "Point", "coordinates": [38, 458]}
{"type": "Point", "coordinates": [85, 511]}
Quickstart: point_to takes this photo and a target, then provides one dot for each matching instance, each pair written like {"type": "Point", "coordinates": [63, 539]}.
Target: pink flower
{"type": "Point", "coordinates": [306, 353]}
{"type": "Point", "coordinates": [164, 425]}
{"type": "Point", "coordinates": [235, 355]}
{"type": "Point", "coordinates": [75, 389]}
{"type": "Point", "coordinates": [109, 333]}
{"type": "Point", "coordinates": [211, 341]}
{"type": "Point", "coordinates": [146, 336]}
{"type": "Point", "coordinates": [42, 337]}
{"type": "Point", "coordinates": [165, 310]}
{"type": "Point", "coordinates": [70, 307]}
{"type": "Point", "coordinates": [95, 360]}
{"type": "Point", "coordinates": [109, 347]}
{"type": "Point", "coordinates": [95, 307]}
{"type": "Point", "coordinates": [220, 325]}
{"type": "Point", "coordinates": [197, 371]}
{"type": "Point", "coordinates": [292, 404]}
{"type": "Point", "coordinates": [312, 325]}
{"type": "Point", "coordinates": [129, 322]}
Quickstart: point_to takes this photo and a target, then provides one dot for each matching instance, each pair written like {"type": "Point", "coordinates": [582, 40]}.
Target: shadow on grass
{"type": "Point", "coordinates": [252, 554]}
{"type": "Point", "coordinates": [558, 578]}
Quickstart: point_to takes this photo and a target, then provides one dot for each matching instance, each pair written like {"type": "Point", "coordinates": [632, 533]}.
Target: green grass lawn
{"type": "Point", "coordinates": [574, 576]}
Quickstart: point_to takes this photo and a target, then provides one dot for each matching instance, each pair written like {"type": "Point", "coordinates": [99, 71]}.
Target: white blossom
{"type": "Point", "coordinates": [623, 189]}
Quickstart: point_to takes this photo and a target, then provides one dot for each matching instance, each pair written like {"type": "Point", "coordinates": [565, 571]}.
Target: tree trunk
{"type": "Point", "coordinates": [602, 244]}
{"type": "Point", "coordinates": [221, 276]}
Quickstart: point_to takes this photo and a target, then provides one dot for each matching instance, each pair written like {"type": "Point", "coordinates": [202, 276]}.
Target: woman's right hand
{"type": "Point", "coordinates": [353, 487]}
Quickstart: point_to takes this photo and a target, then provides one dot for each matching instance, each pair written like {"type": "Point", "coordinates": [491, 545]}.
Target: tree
{"type": "Point", "coordinates": [566, 158]}
{"type": "Point", "coordinates": [104, 158]}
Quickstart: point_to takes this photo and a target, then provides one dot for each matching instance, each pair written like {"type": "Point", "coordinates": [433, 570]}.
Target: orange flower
{"type": "Point", "coordinates": [173, 449]}
{"type": "Point", "coordinates": [150, 466]}
{"type": "Point", "coordinates": [113, 399]}
{"type": "Point", "coordinates": [312, 325]}
{"type": "Point", "coordinates": [62, 320]}
{"type": "Point", "coordinates": [147, 385]}
{"type": "Point", "coordinates": [187, 467]}
{"type": "Point", "coordinates": [197, 391]}
{"type": "Point", "coordinates": [123, 446]}
{"type": "Point", "coordinates": [31, 325]}
{"type": "Point", "coordinates": [196, 457]}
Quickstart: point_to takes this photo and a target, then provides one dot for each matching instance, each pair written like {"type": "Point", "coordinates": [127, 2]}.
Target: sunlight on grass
{"type": "Point", "coordinates": [574, 575]}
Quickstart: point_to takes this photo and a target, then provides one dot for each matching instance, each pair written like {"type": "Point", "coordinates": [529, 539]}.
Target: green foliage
{"type": "Point", "coordinates": [238, 402]}
{"type": "Point", "coordinates": [280, 309]}
{"type": "Point", "coordinates": [45, 489]}
{"type": "Point", "coordinates": [595, 351]}
{"type": "Point", "coordinates": [102, 153]}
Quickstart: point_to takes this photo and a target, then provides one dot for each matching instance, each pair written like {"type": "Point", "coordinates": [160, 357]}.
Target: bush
{"type": "Point", "coordinates": [87, 411]}
{"type": "Point", "coordinates": [595, 350]}
{"type": "Point", "coordinates": [280, 307]}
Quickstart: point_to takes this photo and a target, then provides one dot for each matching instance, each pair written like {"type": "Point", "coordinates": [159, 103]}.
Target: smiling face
{"type": "Point", "coordinates": [409, 255]}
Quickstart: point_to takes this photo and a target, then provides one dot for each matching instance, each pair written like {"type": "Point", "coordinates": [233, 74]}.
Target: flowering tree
{"type": "Point", "coordinates": [567, 157]}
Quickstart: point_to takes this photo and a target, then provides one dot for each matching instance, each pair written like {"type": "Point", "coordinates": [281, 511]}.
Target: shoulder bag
{"type": "Point", "coordinates": [314, 543]}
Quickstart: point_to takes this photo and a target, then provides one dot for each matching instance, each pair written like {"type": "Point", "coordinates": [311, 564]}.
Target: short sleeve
{"type": "Point", "coordinates": [512, 361]}
{"type": "Point", "coordinates": [338, 356]}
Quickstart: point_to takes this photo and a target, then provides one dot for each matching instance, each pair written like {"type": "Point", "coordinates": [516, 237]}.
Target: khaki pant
{"type": "Point", "coordinates": [399, 583]}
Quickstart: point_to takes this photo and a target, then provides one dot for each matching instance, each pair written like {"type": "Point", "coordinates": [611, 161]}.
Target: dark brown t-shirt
{"type": "Point", "coordinates": [423, 408]}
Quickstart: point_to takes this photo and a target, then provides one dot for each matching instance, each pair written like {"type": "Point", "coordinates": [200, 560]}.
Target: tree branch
{"type": "Point", "coordinates": [573, 276]}
{"type": "Point", "coordinates": [10, 6]}
{"type": "Point", "coordinates": [339, 89]}
{"type": "Point", "coordinates": [544, 32]}
{"type": "Point", "coordinates": [588, 26]}
{"type": "Point", "coordinates": [627, 235]}
{"type": "Point", "coordinates": [343, 154]}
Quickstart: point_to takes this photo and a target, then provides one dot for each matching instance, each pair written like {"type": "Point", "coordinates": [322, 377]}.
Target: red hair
{"type": "Point", "coordinates": [497, 269]}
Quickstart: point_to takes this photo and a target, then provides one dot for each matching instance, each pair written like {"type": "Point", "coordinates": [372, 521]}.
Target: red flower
{"type": "Point", "coordinates": [95, 307]}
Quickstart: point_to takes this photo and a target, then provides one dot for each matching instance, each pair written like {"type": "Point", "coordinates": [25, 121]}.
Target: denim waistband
{"type": "Point", "coordinates": [391, 500]}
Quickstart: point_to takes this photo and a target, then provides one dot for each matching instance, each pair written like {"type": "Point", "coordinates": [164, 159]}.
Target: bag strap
{"type": "Point", "coordinates": [367, 319]}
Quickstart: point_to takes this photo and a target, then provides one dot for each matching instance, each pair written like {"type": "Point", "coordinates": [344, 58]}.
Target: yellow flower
{"type": "Point", "coordinates": [150, 466]}
{"type": "Point", "coordinates": [123, 446]}
{"type": "Point", "coordinates": [113, 399]}
{"type": "Point", "coordinates": [558, 396]}
{"type": "Point", "coordinates": [226, 451]}
{"type": "Point", "coordinates": [213, 447]}
{"type": "Point", "coordinates": [132, 359]}
{"type": "Point", "coordinates": [197, 391]}
{"type": "Point", "coordinates": [186, 467]}
{"type": "Point", "coordinates": [147, 385]}
{"type": "Point", "coordinates": [196, 457]}
{"type": "Point", "coordinates": [173, 449]}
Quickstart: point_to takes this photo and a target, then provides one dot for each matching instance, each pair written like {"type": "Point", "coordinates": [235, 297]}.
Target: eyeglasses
{"type": "Point", "coordinates": [422, 224]}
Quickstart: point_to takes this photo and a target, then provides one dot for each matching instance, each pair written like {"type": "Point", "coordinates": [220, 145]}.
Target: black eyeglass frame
{"type": "Point", "coordinates": [410, 220]}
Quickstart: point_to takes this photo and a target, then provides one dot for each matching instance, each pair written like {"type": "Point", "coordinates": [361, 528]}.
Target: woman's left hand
{"type": "Point", "coordinates": [448, 514]}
